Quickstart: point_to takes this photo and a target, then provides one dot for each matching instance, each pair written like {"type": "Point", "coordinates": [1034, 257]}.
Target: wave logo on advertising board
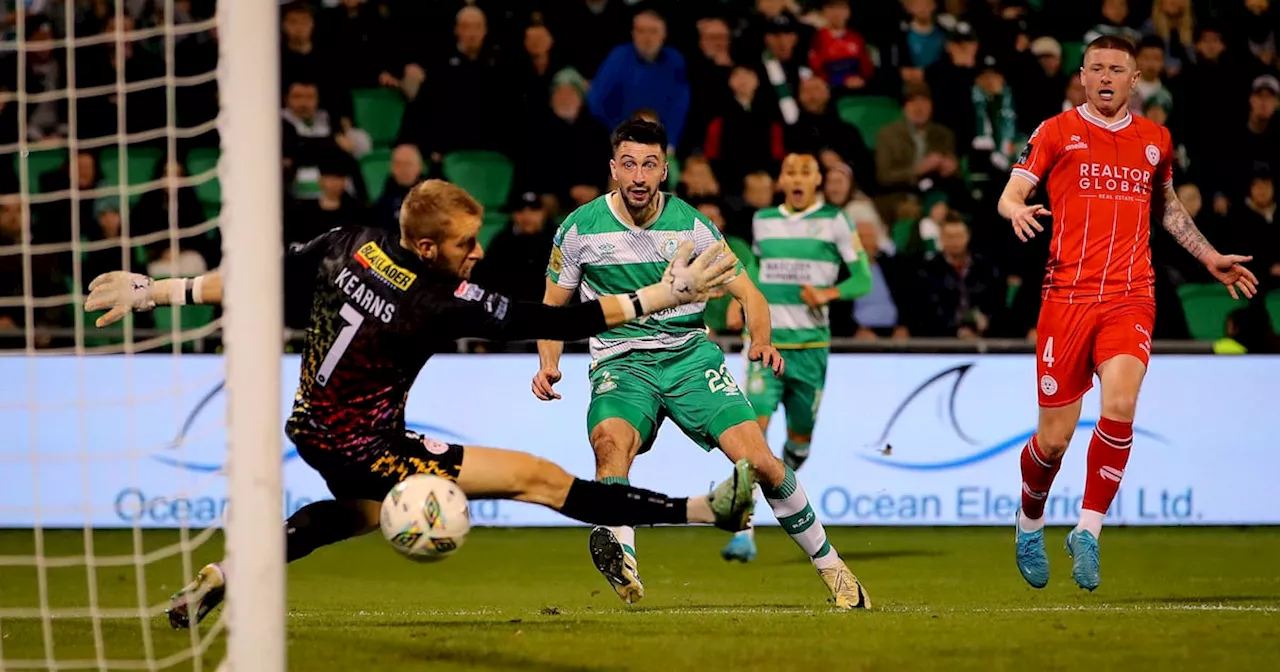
{"type": "Point", "coordinates": [945, 434]}
{"type": "Point", "coordinates": [289, 454]}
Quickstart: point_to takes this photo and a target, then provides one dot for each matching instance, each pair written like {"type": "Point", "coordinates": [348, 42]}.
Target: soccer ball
{"type": "Point", "coordinates": [426, 518]}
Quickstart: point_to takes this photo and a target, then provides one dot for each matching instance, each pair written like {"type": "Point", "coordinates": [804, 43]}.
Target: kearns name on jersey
{"type": "Point", "coordinates": [364, 297]}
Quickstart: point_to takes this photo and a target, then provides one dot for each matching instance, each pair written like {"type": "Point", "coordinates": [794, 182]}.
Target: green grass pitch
{"type": "Point", "coordinates": [945, 598]}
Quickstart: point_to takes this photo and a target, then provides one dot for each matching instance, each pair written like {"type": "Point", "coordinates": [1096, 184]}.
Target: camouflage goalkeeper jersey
{"type": "Point", "coordinates": [596, 252]}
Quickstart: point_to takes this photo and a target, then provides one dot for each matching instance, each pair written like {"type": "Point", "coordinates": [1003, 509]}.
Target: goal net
{"type": "Point", "coordinates": [142, 136]}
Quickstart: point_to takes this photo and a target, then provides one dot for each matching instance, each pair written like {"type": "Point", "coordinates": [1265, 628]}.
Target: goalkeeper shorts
{"type": "Point", "coordinates": [370, 470]}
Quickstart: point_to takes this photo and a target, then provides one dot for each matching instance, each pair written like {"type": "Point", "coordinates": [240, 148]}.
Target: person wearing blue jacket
{"type": "Point", "coordinates": [642, 75]}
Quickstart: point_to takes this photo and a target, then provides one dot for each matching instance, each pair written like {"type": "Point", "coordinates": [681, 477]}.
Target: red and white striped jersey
{"type": "Point", "coordinates": [1100, 180]}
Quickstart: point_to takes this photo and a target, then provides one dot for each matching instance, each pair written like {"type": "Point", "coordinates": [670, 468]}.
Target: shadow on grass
{"type": "Point", "coordinates": [1197, 599]}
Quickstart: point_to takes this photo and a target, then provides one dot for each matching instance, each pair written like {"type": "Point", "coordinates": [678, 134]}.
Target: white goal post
{"type": "Point", "coordinates": [253, 330]}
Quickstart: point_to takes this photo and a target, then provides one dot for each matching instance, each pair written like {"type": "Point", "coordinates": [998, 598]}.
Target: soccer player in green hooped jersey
{"type": "Point", "coordinates": [802, 246]}
{"type": "Point", "coordinates": [665, 366]}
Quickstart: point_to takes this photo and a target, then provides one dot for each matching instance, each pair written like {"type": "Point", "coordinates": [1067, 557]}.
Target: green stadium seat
{"type": "Point", "coordinates": [493, 224]}
{"type": "Point", "coordinates": [375, 167]}
{"type": "Point", "coordinates": [486, 175]}
{"type": "Point", "coordinates": [1206, 307]}
{"type": "Point", "coordinates": [1072, 57]}
{"type": "Point", "coordinates": [869, 114]}
{"type": "Point", "coordinates": [142, 162]}
{"type": "Point", "coordinates": [1273, 308]}
{"type": "Point", "coordinates": [40, 162]}
{"type": "Point", "coordinates": [209, 192]}
{"type": "Point", "coordinates": [187, 317]}
{"type": "Point", "coordinates": [378, 112]}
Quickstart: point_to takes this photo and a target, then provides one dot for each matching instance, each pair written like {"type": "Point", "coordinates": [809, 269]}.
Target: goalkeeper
{"type": "Point", "coordinates": [803, 245]}
{"type": "Point", "coordinates": [382, 306]}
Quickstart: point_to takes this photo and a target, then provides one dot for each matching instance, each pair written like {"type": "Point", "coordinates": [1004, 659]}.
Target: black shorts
{"type": "Point", "coordinates": [381, 463]}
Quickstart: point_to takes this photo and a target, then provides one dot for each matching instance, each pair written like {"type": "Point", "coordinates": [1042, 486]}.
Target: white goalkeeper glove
{"type": "Point", "coordinates": [120, 293]}
{"type": "Point", "coordinates": [689, 280]}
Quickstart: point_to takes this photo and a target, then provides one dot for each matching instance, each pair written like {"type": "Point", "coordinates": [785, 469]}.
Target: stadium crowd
{"type": "Point", "coordinates": [916, 110]}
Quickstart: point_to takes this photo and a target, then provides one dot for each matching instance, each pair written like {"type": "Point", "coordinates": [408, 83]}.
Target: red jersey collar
{"type": "Point", "coordinates": [1090, 117]}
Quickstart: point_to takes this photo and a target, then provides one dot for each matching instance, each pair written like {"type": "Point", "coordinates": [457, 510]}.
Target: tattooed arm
{"type": "Point", "coordinates": [1177, 221]}
{"type": "Point", "coordinates": [1226, 268]}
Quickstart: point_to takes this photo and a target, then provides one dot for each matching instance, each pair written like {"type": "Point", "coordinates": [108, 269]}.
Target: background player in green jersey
{"type": "Point", "coordinates": [802, 246]}
{"type": "Point", "coordinates": [665, 367]}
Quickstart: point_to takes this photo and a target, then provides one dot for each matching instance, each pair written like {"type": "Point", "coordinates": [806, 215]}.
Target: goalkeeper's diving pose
{"type": "Point", "coordinates": [382, 306]}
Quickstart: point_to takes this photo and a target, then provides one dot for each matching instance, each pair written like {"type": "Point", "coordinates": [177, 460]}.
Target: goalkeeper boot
{"type": "Point", "coordinates": [201, 595]}
{"type": "Point", "coordinates": [618, 566]}
{"type": "Point", "coordinates": [1033, 562]}
{"type": "Point", "coordinates": [846, 591]}
{"type": "Point", "coordinates": [742, 547]}
{"type": "Point", "coordinates": [733, 500]}
{"type": "Point", "coordinates": [1082, 546]}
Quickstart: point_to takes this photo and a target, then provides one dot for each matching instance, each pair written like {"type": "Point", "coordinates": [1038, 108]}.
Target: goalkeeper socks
{"type": "Point", "coordinates": [794, 453]}
{"type": "Point", "coordinates": [1108, 456]}
{"type": "Point", "coordinates": [320, 524]}
{"type": "Point", "coordinates": [791, 506]}
{"type": "Point", "coordinates": [625, 535]}
{"type": "Point", "coordinates": [601, 503]}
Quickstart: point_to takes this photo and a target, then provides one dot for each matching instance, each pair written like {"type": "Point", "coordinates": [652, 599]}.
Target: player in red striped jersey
{"type": "Point", "coordinates": [1103, 168]}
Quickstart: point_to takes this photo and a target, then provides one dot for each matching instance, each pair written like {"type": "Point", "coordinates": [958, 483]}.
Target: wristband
{"type": "Point", "coordinates": [197, 289]}
{"type": "Point", "coordinates": [635, 303]}
{"type": "Point", "coordinates": [177, 291]}
{"type": "Point", "coordinates": [188, 284]}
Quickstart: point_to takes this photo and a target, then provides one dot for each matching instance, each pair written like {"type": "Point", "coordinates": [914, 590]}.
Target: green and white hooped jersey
{"type": "Point", "coordinates": [597, 253]}
{"type": "Point", "coordinates": [795, 249]}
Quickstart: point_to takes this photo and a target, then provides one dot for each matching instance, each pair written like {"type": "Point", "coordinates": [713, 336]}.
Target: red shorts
{"type": "Point", "coordinates": [1073, 339]}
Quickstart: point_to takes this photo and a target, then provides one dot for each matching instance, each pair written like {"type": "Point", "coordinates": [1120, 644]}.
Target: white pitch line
{"type": "Point", "coordinates": [760, 611]}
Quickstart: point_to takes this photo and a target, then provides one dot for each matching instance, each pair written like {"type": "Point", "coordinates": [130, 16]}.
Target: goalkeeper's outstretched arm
{"type": "Point", "coordinates": [120, 293]}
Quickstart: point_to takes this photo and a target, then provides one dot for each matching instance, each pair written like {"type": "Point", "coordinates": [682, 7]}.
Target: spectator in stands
{"type": "Point", "coordinates": [820, 128]}
{"type": "Point", "coordinates": [516, 260]}
{"type": "Point", "coordinates": [1210, 88]}
{"type": "Point", "coordinates": [951, 80]}
{"type": "Point", "coordinates": [1259, 23]}
{"type": "Point", "coordinates": [1173, 22]}
{"type": "Point", "coordinates": [839, 55]}
{"type": "Point", "coordinates": [923, 40]}
{"type": "Point", "coordinates": [960, 291]}
{"type": "Point", "coordinates": [747, 135]}
{"type": "Point", "coordinates": [1253, 227]}
{"type": "Point", "coordinates": [1039, 86]}
{"type": "Point", "coordinates": [915, 154]}
{"type": "Point", "coordinates": [300, 59]}
{"type": "Point", "coordinates": [47, 119]}
{"type": "Point", "coordinates": [46, 279]}
{"type": "Point", "coordinates": [1150, 87]}
{"type": "Point", "coordinates": [310, 133]}
{"type": "Point", "coordinates": [356, 42]}
{"type": "Point", "coordinates": [724, 315]}
{"type": "Point", "coordinates": [758, 190]}
{"type": "Point", "coordinates": [105, 225]}
{"type": "Point", "coordinates": [709, 70]}
{"type": "Point", "coordinates": [478, 91]}
{"type": "Point", "coordinates": [1114, 21]}
{"type": "Point", "coordinates": [537, 66]}
{"type": "Point", "coordinates": [1073, 97]}
{"type": "Point", "coordinates": [643, 74]}
{"type": "Point", "coordinates": [782, 66]}
{"type": "Point", "coordinates": [55, 217]}
{"type": "Point", "coordinates": [406, 171]}
{"type": "Point", "coordinates": [334, 206]}
{"type": "Point", "coordinates": [840, 188]}
{"type": "Point", "coordinates": [158, 210]}
{"type": "Point", "coordinates": [767, 12]}
{"type": "Point", "coordinates": [99, 66]}
{"type": "Point", "coordinates": [591, 28]}
{"type": "Point", "coordinates": [697, 180]}
{"type": "Point", "coordinates": [567, 152]}
{"type": "Point", "coordinates": [994, 146]}
{"type": "Point", "coordinates": [876, 314]}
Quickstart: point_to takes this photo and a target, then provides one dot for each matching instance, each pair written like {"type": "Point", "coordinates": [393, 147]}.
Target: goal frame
{"type": "Point", "coordinates": [253, 331]}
